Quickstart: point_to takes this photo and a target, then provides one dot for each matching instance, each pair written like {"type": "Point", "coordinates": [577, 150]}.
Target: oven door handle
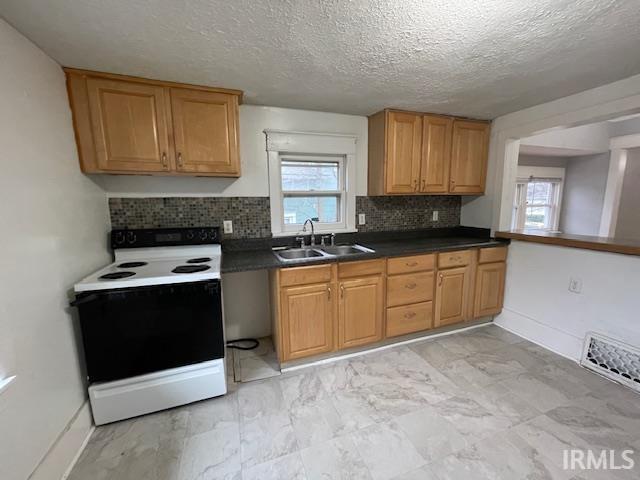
{"type": "Point", "coordinates": [83, 300]}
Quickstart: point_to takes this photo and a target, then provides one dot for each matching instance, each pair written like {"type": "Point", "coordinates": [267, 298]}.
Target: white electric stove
{"type": "Point", "coordinates": [151, 323]}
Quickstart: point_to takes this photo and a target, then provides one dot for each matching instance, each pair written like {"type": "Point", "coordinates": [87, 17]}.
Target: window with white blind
{"type": "Point", "coordinates": [311, 176]}
{"type": "Point", "coordinates": [538, 198]}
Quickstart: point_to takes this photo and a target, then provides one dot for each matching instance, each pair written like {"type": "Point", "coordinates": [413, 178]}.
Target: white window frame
{"type": "Point", "coordinates": [525, 175]}
{"type": "Point", "coordinates": [312, 146]}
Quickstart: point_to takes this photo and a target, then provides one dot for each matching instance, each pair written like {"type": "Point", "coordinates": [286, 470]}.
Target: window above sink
{"type": "Point", "coordinates": [311, 176]}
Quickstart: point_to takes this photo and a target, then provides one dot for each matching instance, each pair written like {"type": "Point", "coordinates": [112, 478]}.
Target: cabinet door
{"type": "Point", "coordinates": [205, 130]}
{"type": "Point", "coordinates": [404, 139]}
{"type": "Point", "coordinates": [360, 312]}
{"type": "Point", "coordinates": [436, 154]}
{"type": "Point", "coordinates": [469, 157]}
{"type": "Point", "coordinates": [307, 320]}
{"type": "Point", "coordinates": [129, 125]}
{"type": "Point", "coordinates": [489, 289]}
{"type": "Point", "coordinates": [451, 296]}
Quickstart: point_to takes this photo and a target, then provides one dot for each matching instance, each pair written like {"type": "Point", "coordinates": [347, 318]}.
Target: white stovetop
{"type": "Point", "coordinates": [158, 270]}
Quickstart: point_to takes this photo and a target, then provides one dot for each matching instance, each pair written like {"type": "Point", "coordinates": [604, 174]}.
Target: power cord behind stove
{"type": "Point", "coordinates": [253, 344]}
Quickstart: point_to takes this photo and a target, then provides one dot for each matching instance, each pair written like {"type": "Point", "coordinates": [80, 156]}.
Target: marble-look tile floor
{"type": "Point", "coordinates": [256, 364]}
{"type": "Point", "coordinates": [482, 404]}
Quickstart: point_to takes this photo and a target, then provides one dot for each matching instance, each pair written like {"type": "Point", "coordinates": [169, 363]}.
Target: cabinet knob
{"type": "Point", "coordinates": [440, 279]}
{"type": "Point", "coordinates": [328, 293]}
{"type": "Point", "coordinates": [341, 291]}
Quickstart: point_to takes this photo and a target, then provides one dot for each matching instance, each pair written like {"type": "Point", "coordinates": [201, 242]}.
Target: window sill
{"type": "Point", "coordinates": [317, 232]}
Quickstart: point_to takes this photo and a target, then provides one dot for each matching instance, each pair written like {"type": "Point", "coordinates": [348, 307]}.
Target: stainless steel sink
{"type": "Point", "coordinates": [329, 251]}
{"type": "Point", "coordinates": [344, 249]}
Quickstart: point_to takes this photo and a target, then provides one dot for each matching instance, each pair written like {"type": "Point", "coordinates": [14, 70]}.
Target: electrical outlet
{"type": "Point", "coordinates": [361, 219]}
{"type": "Point", "coordinates": [575, 285]}
{"type": "Point", "coordinates": [434, 216]}
{"type": "Point", "coordinates": [227, 226]}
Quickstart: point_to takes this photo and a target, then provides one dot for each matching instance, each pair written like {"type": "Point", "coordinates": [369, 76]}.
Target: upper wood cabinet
{"type": "Point", "coordinates": [415, 153]}
{"type": "Point", "coordinates": [469, 157]}
{"type": "Point", "coordinates": [204, 133]}
{"type": "Point", "coordinates": [128, 125]}
{"type": "Point", "coordinates": [404, 138]}
{"type": "Point", "coordinates": [436, 152]}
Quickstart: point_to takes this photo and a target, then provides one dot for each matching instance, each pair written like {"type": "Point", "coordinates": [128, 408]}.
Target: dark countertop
{"type": "Point", "coordinates": [385, 245]}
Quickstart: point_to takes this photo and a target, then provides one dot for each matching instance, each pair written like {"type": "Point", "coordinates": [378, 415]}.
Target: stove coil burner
{"type": "Point", "coordinates": [199, 260]}
{"type": "Point", "coordinates": [190, 268]}
{"type": "Point", "coordinates": [132, 264]}
{"type": "Point", "coordinates": [117, 275]}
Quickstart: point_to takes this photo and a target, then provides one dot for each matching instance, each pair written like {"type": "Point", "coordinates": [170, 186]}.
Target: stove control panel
{"type": "Point", "coordinates": [164, 237]}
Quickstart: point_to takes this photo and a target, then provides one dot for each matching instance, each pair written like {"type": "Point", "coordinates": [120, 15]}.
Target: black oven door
{"type": "Point", "coordinates": [132, 331]}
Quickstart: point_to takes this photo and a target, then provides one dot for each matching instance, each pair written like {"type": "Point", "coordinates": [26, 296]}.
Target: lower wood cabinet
{"type": "Point", "coordinates": [489, 289]}
{"type": "Point", "coordinates": [409, 319]}
{"type": "Point", "coordinates": [361, 310]}
{"type": "Point", "coordinates": [323, 308]}
{"type": "Point", "coordinates": [452, 294]}
{"type": "Point", "coordinates": [307, 314]}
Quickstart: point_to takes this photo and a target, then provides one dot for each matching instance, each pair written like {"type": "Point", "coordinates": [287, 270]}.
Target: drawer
{"type": "Point", "coordinates": [363, 268]}
{"type": "Point", "coordinates": [409, 288]}
{"type": "Point", "coordinates": [409, 318]}
{"type": "Point", "coordinates": [459, 258]}
{"type": "Point", "coordinates": [494, 254]}
{"type": "Point", "coordinates": [305, 275]}
{"type": "Point", "coordinates": [415, 263]}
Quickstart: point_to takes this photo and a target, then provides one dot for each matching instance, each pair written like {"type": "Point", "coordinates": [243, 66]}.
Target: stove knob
{"type": "Point", "coordinates": [190, 234]}
{"type": "Point", "coordinates": [212, 235]}
{"type": "Point", "coordinates": [203, 234]}
{"type": "Point", "coordinates": [131, 237]}
{"type": "Point", "coordinates": [119, 238]}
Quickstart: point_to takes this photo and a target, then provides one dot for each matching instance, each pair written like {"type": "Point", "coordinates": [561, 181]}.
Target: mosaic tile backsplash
{"type": "Point", "coordinates": [251, 215]}
{"type": "Point", "coordinates": [408, 212]}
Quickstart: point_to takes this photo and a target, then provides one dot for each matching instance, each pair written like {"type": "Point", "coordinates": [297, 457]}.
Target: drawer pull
{"type": "Point", "coordinates": [328, 293]}
{"type": "Point", "coordinates": [409, 315]}
{"type": "Point", "coordinates": [341, 291]}
{"type": "Point", "coordinates": [411, 264]}
{"type": "Point", "coordinates": [440, 279]}
{"type": "Point", "coordinates": [410, 286]}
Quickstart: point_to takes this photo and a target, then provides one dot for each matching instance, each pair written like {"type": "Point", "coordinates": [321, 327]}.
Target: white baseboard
{"type": "Point", "coordinates": [64, 453]}
{"type": "Point", "coordinates": [556, 340]}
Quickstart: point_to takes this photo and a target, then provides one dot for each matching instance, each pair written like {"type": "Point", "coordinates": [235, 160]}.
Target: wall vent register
{"type": "Point", "coordinates": [613, 359]}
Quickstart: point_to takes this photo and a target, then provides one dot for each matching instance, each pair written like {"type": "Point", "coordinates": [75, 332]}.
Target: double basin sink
{"type": "Point", "coordinates": [329, 251]}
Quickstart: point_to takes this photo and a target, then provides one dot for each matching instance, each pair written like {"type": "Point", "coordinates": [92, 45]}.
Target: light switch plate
{"type": "Point", "coordinates": [227, 226]}
{"type": "Point", "coordinates": [361, 219]}
{"type": "Point", "coordinates": [434, 216]}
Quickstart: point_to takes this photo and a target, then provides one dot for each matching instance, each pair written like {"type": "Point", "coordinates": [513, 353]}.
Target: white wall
{"type": "Point", "coordinates": [538, 305]}
{"type": "Point", "coordinates": [54, 224]}
{"type": "Point", "coordinates": [587, 139]}
{"type": "Point", "coordinates": [254, 180]}
{"type": "Point", "coordinates": [628, 223]}
{"type": "Point", "coordinates": [585, 184]}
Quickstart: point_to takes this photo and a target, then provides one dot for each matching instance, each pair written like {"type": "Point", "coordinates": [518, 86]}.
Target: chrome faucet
{"type": "Point", "coordinates": [313, 234]}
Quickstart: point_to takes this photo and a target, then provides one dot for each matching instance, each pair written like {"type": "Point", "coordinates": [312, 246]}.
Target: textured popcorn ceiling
{"type": "Point", "coordinates": [480, 58]}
